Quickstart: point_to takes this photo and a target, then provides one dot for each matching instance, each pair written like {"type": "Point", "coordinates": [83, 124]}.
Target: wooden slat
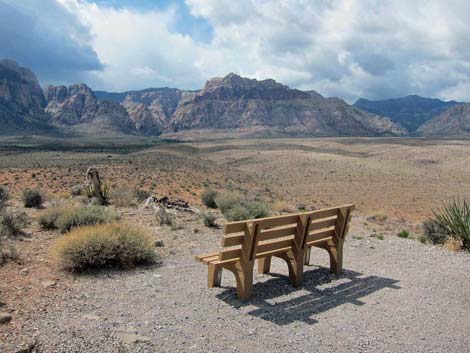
{"type": "Point", "coordinates": [203, 256]}
{"type": "Point", "coordinates": [273, 252]}
{"type": "Point", "coordinates": [232, 240]}
{"type": "Point", "coordinates": [322, 233]}
{"type": "Point", "coordinates": [268, 234]}
{"type": "Point", "coordinates": [275, 244]}
{"type": "Point", "coordinates": [210, 259]}
{"type": "Point", "coordinates": [268, 222]}
{"type": "Point", "coordinates": [229, 254]}
{"type": "Point", "coordinates": [323, 223]}
{"type": "Point", "coordinates": [318, 242]}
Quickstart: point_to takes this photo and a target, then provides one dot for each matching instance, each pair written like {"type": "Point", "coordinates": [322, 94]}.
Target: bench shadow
{"type": "Point", "coordinates": [302, 308]}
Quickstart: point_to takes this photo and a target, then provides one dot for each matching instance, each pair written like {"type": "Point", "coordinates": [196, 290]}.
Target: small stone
{"type": "Point", "coordinates": [196, 230]}
{"type": "Point", "coordinates": [48, 284]}
{"type": "Point", "coordinates": [132, 338]}
{"type": "Point", "coordinates": [24, 271]}
{"type": "Point", "coordinates": [159, 243]}
{"type": "Point", "coordinates": [2, 304]}
{"type": "Point", "coordinates": [5, 318]}
{"type": "Point", "coordinates": [91, 317]}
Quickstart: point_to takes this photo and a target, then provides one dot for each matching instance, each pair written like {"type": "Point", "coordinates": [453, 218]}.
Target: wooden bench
{"type": "Point", "coordinates": [288, 237]}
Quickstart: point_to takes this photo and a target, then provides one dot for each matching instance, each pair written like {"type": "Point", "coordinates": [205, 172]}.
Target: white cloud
{"type": "Point", "coordinates": [348, 48]}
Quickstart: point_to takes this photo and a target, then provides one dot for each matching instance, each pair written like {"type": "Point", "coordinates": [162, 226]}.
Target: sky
{"type": "Point", "coordinates": [374, 49]}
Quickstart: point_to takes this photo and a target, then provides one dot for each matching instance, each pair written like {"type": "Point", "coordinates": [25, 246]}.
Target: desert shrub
{"type": "Point", "coordinates": [105, 191]}
{"type": "Point", "coordinates": [404, 234]}
{"type": "Point", "coordinates": [32, 198]}
{"type": "Point", "coordinates": [434, 233]}
{"type": "Point", "coordinates": [284, 207]}
{"type": "Point", "coordinates": [257, 209]}
{"type": "Point", "coordinates": [454, 220]}
{"type": "Point", "coordinates": [378, 216]}
{"type": "Point", "coordinates": [4, 196]}
{"type": "Point", "coordinates": [165, 217]}
{"type": "Point", "coordinates": [227, 200]}
{"type": "Point", "coordinates": [66, 218]}
{"type": "Point", "coordinates": [77, 190]}
{"type": "Point", "coordinates": [208, 198]}
{"type": "Point", "coordinates": [209, 220]}
{"type": "Point", "coordinates": [141, 194]}
{"type": "Point", "coordinates": [122, 198]}
{"type": "Point", "coordinates": [104, 246]}
{"type": "Point", "coordinates": [237, 213]}
{"type": "Point", "coordinates": [11, 223]}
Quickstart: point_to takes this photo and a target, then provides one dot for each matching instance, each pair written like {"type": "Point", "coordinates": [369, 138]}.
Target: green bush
{"type": "Point", "coordinates": [454, 220]}
{"type": "Point", "coordinates": [32, 198]}
{"type": "Point", "coordinates": [226, 201]}
{"type": "Point", "coordinates": [165, 217]}
{"type": "Point", "coordinates": [4, 196]}
{"type": "Point", "coordinates": [12, 223]}
{"type": "Point", "coordinates": [434, 233]}
{"type": "Point", "coordinates": [104, 246]}
{"type": "Point", "coordinates": [404, 234]}
{"type": "Point", "coordinates": [208, 198]}
{"type": "Point", "coordinates": [237, 213]}
{"type": "Point", "coordinates": [258, 209]}
{"type": "Point", "coordinates": [66, 218]}
{"type": "Point", "coordinates": [209, 220]}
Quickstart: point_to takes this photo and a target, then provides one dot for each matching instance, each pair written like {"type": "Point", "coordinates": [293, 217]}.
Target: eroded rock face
{"type": "Point", "coordinates": [455, 121]}
{"type": "Point", "coordinates": [234, 102]}
{"type": "Point", "coordinates": [22, 101]}
{"type": "Point", "coordinates": [77, 106]}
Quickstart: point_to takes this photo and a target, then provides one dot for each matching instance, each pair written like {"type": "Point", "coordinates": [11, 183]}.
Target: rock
{"type": "Point", "coordinates": [2, 304]}
{"type": "Point", "coordinates": [48, 284]}
{"type": "Point", "coordinates": [24, 271]}
{"type": "Point", "coordinates": [261, 107]}
{"type": "Point", "coordinates": [159, 243]}
{"type": "Point", "coordinates": [5, 318]}
{"type": "Point", "coordinates": [22, 100]}
{"type": "Point", "coordinates": [91, 317]}
{"type": "Point", "coordinates": [128, 338]}
{"type": "Point", "coordinates": [195, 231]}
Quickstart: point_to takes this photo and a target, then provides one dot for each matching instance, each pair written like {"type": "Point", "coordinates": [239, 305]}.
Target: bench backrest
{"type": "Point", "coordinates": [255, 238]}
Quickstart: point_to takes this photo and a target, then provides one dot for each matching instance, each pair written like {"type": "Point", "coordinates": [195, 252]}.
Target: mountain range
{"type": "Point", "coordinates": [225, 106]}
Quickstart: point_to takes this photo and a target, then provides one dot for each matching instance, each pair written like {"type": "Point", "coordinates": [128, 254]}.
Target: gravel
{"type": "Point", "coordinates": [396, 295]}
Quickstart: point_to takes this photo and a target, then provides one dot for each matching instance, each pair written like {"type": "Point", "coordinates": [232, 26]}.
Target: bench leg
{"type": "Point", "coordinates": [264, 265]}
{"type": "Point", "coordinates": [335, 250]}
{"type": "Point", "coordinates": [307, 256]}
{"type": "Point", "coordinates": [214, 276]}
{"type": "Point", "coordinates": [296, 268]}
{"type": "Point", "coordinates": [244, 283]}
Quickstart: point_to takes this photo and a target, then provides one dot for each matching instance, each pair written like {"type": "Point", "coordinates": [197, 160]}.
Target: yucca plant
{"type": "Point", "coordinates": [454, 219]}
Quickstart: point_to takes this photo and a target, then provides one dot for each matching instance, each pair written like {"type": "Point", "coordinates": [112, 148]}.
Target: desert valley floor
{"type": "Point", "coordinates": [396, 295]}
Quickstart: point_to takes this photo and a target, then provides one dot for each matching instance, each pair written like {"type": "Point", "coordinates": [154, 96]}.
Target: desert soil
{"type": "Point", "coordinates": [396, 295]}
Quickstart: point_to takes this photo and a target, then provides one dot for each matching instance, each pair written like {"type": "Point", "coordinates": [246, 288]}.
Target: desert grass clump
{"type": "Point", "coordinates": [284, 207]}
{"type": "Point", "coordinates": [141, 194]}
{"type": "Point", "coordinates": [4, 196]}
{"type": "Point", "coordinates": [122, 198]}
{"type": "Point", "coordinates": [32, 198]}
{"type": "Point", "coordinates": [453, 219]}
{"type": "Point", "coordinates": [403, 234]}
{"type": "Point", "coordinates": [168, 218]}
{"type": "Point", "coordinates": [227, 200]}
{"type": "Point", "coordinates": [66, 218]}
{"type": "Point", "coordinates": [104, 246]}
{"type": "Point", "coordinates": [209, 220]}
{"type": "Point", "coordinates": [208, 197]}
{"type": "Point", "coordinates": [12, 223]}
{"type": "Point", "coordinates": [378, 216]}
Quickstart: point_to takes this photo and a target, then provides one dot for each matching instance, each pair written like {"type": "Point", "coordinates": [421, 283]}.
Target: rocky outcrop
{"type": "Point", "coordinates": [252, 106]}
{"type": "Point", "coordinates": [22, 100]}
{"type": "Point", "coordinates": [410, 111]}
{"type": "Point", "coordinates": [76, 106]}
{"type": "Point", "coordinates": [455, 121]}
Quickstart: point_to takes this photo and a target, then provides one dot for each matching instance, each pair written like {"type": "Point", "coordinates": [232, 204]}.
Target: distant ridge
{"type": "Point", "coordinates": [410, 111]}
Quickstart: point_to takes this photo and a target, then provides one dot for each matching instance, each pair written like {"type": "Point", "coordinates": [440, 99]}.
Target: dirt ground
{"type": "Point", "coordinates": [395, 295]}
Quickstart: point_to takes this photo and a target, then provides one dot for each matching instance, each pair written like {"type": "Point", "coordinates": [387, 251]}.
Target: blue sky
{"type": "Point", "coordinates": [343, 48]}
